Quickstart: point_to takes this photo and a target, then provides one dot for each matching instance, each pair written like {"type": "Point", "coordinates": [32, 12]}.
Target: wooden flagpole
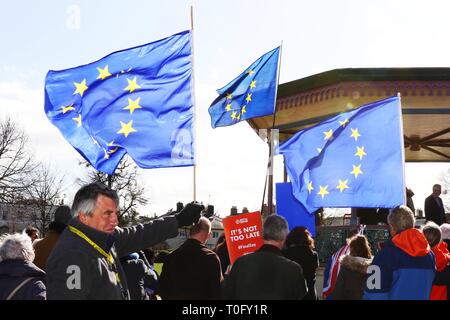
{"type": "Point", "coordinates": [194, 106]}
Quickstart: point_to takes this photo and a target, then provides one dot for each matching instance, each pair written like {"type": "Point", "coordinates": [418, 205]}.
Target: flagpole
{"type": "Point", "coordinates": [271, 142]}
{"type": "Point", "coordinates": [403, 148]}
{"type": "Point", "coordinates": [194, 107]}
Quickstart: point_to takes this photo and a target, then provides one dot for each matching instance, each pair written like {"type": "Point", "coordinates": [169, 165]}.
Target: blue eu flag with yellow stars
{"type": "Point", "coordinates": [354, 159]}
{"type": "Point", "coordinates": [135, 101]}
{"type": "Point", "coordinates": [250, 95]}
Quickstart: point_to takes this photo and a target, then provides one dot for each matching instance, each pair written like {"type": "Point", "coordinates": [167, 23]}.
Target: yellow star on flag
{"type": "Point", "coordinates": [342, 185]}
{"type": "Point", "coordinates": [343, 123]}
{"type": "Point", "coordinates": [356, 171]}
{"type": "Point", "coordinates": [228, 107]}
{"type": "Point", "coordinates": [95, 141]}
{"type": "Point", "coordinates": [132, 85]}
{"type": "Point", "coordinates": [360, 152]}
{"type": "Point", "coordinates": [243, 110]}
{"type": "Point", "coordinates": [133, 105]}
{"type": "Point", "coordinates": [233, 115]}
{"type": "Point", "coordinates": [310, 187]}
{"type": "Point", "coordinates": [355, 134]}
{"type": "Point", "coordinates": [323, 191]}
{"type": "Point", "coordinates": [249, 97]}
{"type": "Point", "coordinates": [229, 96]}
{"type": "Point", "coordinates": [328, 134]}
{"type": "Point", "coordinates": [127, 128]}
{"type": "Point", "coordinates": [106, 156]}
{"type": "Point", "coordinates": [103, 73]}
{"type": "Point", "coordinates": [253, 84]}
{"type": "Point", "coordinates": [113, 150]}
{"type": "Point", "coordinates": [67, 109]}
{"type": "Point", "coordinates": [80, 87]}
{"type": "Point", "coordinates": [78, 120]}
{"type": "Point", "coordinates": [239, 117]}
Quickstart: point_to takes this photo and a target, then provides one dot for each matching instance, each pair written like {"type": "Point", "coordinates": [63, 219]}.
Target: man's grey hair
{"type": "Point", "coordinates": [275, 228]}
{"type": "Point", "coordinates": [433, 233]}
{"type": "Point", "coordinates": [16, 246]}
{"type": "Point", "coordinates": [85, 199]}
{"type": "Point", "coordinates": [445, 229]}
{"type": "Point", "coordinates": [401, 219]}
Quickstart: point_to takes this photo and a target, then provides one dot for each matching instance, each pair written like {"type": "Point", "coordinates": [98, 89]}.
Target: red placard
{"type": "Point", "coordinates": [243, 233]}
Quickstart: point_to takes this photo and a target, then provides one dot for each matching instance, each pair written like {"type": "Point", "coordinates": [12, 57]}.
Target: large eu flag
{"type": "Point", "coordinates": [250, 95]}
{"type": "Point", "coordinates": [136, 101]}
{"type": "Point", "coordinates": [354, 159]}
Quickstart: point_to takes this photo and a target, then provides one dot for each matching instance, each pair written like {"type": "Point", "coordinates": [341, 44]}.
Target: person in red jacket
{"type": "Point", "coordinates": [434, 237]}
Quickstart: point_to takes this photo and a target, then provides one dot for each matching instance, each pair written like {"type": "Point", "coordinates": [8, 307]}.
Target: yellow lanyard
{"type": "Point", "coordinates": [108, 256]}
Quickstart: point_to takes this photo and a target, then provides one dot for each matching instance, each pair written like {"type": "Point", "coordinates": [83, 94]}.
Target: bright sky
{"type": "Point", "coordinates": [229, 35]}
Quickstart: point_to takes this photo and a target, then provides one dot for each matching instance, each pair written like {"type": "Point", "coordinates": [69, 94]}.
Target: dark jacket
{"type": "Point", "coordinates": [434, 211]}
{"type": "Point", "coordinates": [13, 272]}
{"type": "Point", "coordinates": [309, 261]}
{"type": "Point", "coordinates": [76, 263]}
{"type": "Point", "coordinates": [222, 253]}
{"type": "Point", "coordinates": [135, 272]}
{"type": "Point", "coordinates": [352, 277]}
{"type": "Point", "coordinates": [43, 248]}
{"type": "Point", "coordinates": [264, 275]}
{"type": "Point", "coordinates": [191, 272]}
{"type": "Point", "coordinates": [443, 279]}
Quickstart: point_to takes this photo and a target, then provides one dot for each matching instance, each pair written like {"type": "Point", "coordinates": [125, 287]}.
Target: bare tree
{"type": "Point", "coordinates": [445, 182]}
{"type": "Point", "coordinates": [15, 162]}
{"type": "Point", "coordinates": [125, 182]}
{"type": "Point", "coordinates": [43, 196]}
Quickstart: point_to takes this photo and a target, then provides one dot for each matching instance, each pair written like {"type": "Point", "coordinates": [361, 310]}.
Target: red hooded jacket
{"type": "Point", "coordinates": [442, 259]}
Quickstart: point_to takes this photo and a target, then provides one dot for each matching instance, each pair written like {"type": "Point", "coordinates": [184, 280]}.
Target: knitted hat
{"type": "Point", "coordinates": [62, 215]}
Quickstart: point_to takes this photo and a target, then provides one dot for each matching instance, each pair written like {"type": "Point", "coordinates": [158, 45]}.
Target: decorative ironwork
{"type": "Point", "coordinates": [329, 239]}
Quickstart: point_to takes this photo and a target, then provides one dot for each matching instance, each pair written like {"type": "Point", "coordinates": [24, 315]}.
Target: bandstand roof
{"type": "Point", "coordinates": [425, 96]}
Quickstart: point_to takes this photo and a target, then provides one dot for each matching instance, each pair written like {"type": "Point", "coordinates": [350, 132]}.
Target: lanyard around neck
{"type": "Point", "coordinates": [108, 256]}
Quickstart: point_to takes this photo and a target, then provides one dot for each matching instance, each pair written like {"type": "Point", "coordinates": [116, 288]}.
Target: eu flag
{"type": "Point", "coordinates": [136, 101]}
{"type": "Point", "coordinates": [250, 95]}
{"type": "Point", "coordinates": [354, 159]}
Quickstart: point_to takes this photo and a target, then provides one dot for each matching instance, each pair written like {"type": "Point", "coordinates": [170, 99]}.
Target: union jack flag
{"type": "Point", "coordinates": [333, 266]}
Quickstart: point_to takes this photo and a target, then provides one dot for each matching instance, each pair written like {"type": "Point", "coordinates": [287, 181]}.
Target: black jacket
{"type": "Point", "coordinates": [135, 272]}
{"type": "Point", "coordinates": [264, 275]}
{"type": "Point", "coordinates": [76, 270]}
{"type": "Point", "coordinates": [191, 272]}
{"type": "Point", "coordinates": [13, 272]}
{"type": "Point", "coordinates": [309, 261]}
{"type": "Point", "coordinates": [434, 212]}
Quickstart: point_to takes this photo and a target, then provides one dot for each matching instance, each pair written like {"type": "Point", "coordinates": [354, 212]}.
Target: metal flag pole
{"type": "Point", "coordinates": [270, 134]}
{"type": "Point", "coordinates": [403, 147]}
{"type": "Point", "coordinates": [194, 105]}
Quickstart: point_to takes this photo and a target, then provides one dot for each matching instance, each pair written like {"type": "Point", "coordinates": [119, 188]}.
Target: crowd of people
{"type": "Point", "coordinates": [85, 255]}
